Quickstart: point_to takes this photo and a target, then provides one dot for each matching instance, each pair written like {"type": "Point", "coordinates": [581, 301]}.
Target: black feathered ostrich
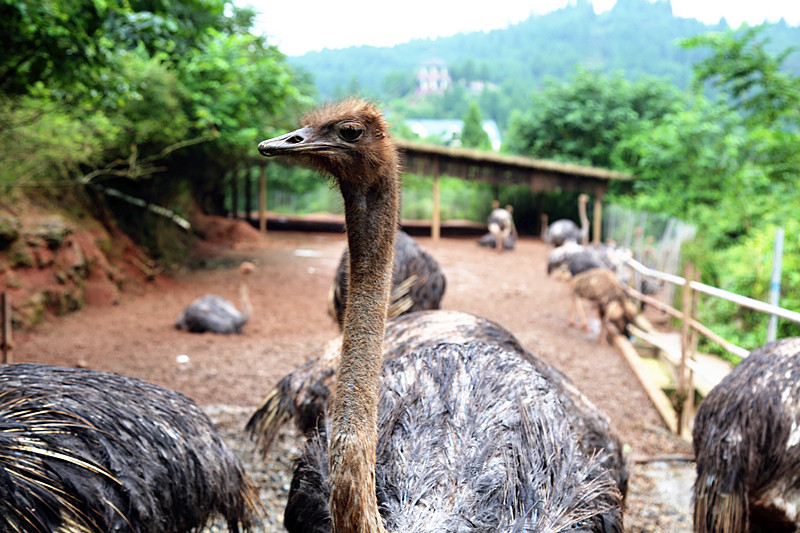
{"type": "Point", "coordinates": [418, 282]}
{"type": "Point", "coordinates": [216, 314]}
{"type": "Point", "coordinates": [472, 436]}
{"type": "Point", "coordinates": [747, 444]}
{"type": "Point", "coordinates": [565, 230]}
{"type": "Point", "coordinates": [89, 451]}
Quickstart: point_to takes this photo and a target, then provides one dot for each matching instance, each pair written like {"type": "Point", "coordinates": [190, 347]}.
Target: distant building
{"type": "Point", "coordinates": [433, 77]}
{"type": "Point", "coordinates": [449, 130]}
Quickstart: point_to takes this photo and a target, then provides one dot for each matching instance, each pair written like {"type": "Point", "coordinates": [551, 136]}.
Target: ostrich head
{"type": "Point", "coordinates": [349, 140]}
{"type": "Point", "coordinates": [246, 268]}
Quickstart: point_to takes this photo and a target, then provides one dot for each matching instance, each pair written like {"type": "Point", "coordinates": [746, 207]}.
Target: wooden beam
{"type": "Point", "coordinates": [656, 395]}
{"type": "Point", "coordinates": [436, 223]}
{"type": "Point", "coordinates": [684, 379]}
{"type": "Point", "coordinates": [5, 308]}
{"type": "Point", "coordinates": [262, 199]}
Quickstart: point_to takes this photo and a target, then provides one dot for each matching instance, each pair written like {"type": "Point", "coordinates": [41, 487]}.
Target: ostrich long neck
{"type": "Point", "coordinates": [244, 298]}
{"type": "Point", "coordinates": [584, 221]}
{"type": "Point", "coordinates": [371, 221]}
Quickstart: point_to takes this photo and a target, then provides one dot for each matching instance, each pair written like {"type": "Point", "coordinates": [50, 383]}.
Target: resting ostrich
{"type": "Point", "coordinates": [564, 230]}
{"type": "Point", "coordinates": [501, 228]}
{"type": "Point", "coordinates": [471, 435]}
{"type": "Point", "coordinates": [602, 288]}
{"type": "Point", "coordinates": [218, 315]}
{"type": "Point", "coordinates": [418, 282]}
{"type": "Point", "coordinates": [83, 450]}
{"type": "Point", "coordinates": [746, 444]}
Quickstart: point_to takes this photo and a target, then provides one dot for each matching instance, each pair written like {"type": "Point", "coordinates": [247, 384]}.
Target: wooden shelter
{"type": "Point", "coordinates": [538, 174]}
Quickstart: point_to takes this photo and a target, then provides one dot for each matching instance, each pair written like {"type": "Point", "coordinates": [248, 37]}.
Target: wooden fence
{"type": "Point", "coordinates": [685, 362]}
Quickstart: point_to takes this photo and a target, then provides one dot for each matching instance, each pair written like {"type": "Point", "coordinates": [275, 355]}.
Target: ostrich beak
{"type": "Point", "coordinates": [302, 140]}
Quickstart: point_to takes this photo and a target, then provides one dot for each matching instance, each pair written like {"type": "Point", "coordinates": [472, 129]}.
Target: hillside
{"type": "Point", "coordinates": [637, 37]}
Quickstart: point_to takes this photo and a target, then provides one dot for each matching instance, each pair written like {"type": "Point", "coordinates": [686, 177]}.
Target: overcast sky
{"type": "Point", "coordinates": [297, 27]}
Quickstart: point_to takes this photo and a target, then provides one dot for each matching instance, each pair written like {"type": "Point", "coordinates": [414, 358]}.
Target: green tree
{"type": "Point", "coordinates": [582, 120]}
{"type": "Point", "coordinates": [755, 80]}
{"type": "Point", "coordinates": [473, 135]}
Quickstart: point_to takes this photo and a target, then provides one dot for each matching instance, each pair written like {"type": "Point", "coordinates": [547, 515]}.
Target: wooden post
{"type": "Point", "coordinates": [5, 306]}
{"type": "Point", "coordinates": [262, 199]}
{"type": "Point", "coordinates": [637, 278]}
{"type": "Point", "coordinates": [690, 407]}
{"type": "Point", "coordinates": [437, 221]}
{"type": "Point", "coordinates": [235, 194]}
{"type": "Point", "coordinates": [543, 226]}
{"type": "Point", "coordinates": [598, 218]}
{"type": "Point", "coordinates": [248, 194]}
{"type": "Point", "coordinates": [683, 385]}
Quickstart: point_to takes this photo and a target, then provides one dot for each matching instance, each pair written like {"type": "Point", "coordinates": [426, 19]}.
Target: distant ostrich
{"type": "Point", "coordinates": [418, 282]}
{"type": "Point", "coordinates": [471, 435]}
{"type": "Point", "coordinates": [746, 444]}
{"type": "Point", "coordinates": [602, 288]}
{"type": "Point", "coordinates": [564, 230]}
{"type": "Point", "coordinates": [218, 315]}
{"type": "Point", "coordinates": [501, 228]}
{"type": "Point", "coordinates": [83, 450]}
{"type": "Point", "coordinates": [558, 258]}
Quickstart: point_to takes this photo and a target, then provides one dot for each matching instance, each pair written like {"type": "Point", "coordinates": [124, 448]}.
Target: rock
{"type": "Point", "coordinates": [52, 229]}
{"type": "Point", "coordinates": [9, 230]}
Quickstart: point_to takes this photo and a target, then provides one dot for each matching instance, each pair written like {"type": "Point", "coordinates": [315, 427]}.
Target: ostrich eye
{"type": "Point", "coordinates": [350, 131]}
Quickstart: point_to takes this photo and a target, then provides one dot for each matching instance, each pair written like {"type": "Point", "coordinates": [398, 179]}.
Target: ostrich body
{"type": "Point", "coordinates": [218, 315]}
{"type": "Point", "coordinates": [418, 282]}
{"type": "Point", "coordinates": [558, 258]}
{"type": "Point", "coordinates": [457, 449]}
{"type": "Point", "coordinates": [564, 230]}
{"type": "Point", "coordinates": [87, 451]}
{"type": "Point", "coordinates": [501, 228]}
{"type": "Point", "coordinates": [603, 289]}
{"type": "Point", "coordinates": [745, 441]}
{"type": "Point", "coordinates": [305, 395]}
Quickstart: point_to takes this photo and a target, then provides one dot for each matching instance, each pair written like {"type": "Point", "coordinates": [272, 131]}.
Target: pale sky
{"type": "Point", "coordinates": [297, 27]}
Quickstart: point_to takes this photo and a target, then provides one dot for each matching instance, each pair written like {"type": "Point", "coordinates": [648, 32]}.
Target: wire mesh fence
{"type": "Point", "coordinates": [655, 239]}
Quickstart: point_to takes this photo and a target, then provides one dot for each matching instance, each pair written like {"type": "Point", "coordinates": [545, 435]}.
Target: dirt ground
{"type": "Point", "coordinates": [289, 290]}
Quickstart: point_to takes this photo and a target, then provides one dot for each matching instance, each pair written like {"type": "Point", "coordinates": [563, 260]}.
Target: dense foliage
{"type": "Point", "coordinates": [154, 98]}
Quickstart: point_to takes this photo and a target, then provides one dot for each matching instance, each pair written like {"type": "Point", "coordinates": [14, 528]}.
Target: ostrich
{"type": "Point", "coordinates": [601, 287]}
{"type": "Point", "coordinates": [746, 444]}
{"type": "Point", "coordinates": [304, 395]}
{"type": "Point", "coordinates": [501, 228]}
{"type": "Point", "coordinates": [558, 258]}
{"type": "Point", "coordinates": [218, 315]}
{"type": "Point", "coordinates": [84, 450]}
{"type": "Point", "coordinates": [417, 281]}
{"type": "Point", "coordinates": [471, 435]}
{"type": "Point", "coordinates": [564, 230]}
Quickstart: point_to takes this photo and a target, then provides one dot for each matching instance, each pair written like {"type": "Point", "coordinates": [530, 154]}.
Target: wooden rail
{"type": "Point", "coordinates": [685, 362]}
